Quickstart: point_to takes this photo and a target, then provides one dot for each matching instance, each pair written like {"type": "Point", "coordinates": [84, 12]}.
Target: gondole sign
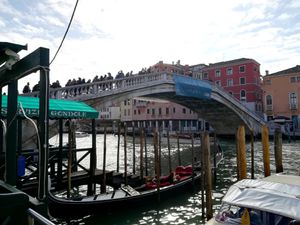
{"type": "Point", "coordinates": [190, 87]}
{"type": "Point", "coordinates": [57, 108]}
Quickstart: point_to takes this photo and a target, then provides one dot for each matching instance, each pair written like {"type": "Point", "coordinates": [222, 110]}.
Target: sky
{"type": "Point", "coordinates": [113, 35]}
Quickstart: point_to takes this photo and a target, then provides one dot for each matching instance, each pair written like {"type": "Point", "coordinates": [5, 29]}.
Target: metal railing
{"type": "Point", "coordinates": [34, 216]}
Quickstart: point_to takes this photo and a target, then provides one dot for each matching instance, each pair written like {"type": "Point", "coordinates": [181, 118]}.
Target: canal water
{"type": "Point", "coordinates": [185, 208]}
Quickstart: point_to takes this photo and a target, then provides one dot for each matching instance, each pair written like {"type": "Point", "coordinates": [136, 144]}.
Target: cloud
{"type": "Point", "coordinates": [112, 35]}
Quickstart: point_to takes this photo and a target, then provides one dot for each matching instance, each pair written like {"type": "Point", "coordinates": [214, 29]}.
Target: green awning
{"type": "Point", "coordinates": [58, 108]}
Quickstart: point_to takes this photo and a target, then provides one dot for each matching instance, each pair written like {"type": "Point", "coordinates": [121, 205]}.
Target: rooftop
{"type": "Point", "coordinates": [295, 69]}
{"type": "Point", "coordinates": [228, 62]}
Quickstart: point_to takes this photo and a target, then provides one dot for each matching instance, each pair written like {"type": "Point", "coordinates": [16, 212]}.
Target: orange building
{"type": "Point", "coordinates": [281, 93]}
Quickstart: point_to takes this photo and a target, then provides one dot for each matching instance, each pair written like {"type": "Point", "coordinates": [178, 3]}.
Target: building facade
{"type": "Point", "coordinates": [240, 78]}
{"type": "Point", "coordinates": [164, 115]}
{"type": "Point", "coordinates": [281, 94]}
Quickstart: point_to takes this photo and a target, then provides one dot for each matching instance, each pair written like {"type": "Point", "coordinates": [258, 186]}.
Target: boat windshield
{"type": "Point", "coordinates": [230, 214]}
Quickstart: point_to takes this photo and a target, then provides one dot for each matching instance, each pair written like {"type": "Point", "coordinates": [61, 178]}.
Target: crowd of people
{"type": "Point", "coordinates": [79, 81]}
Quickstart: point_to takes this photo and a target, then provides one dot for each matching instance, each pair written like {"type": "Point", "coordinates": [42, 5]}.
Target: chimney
{"type": "Point", "coordinates": [267, 72]}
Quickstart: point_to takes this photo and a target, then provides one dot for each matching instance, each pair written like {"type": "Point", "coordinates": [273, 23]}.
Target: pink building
{"type": "Point", "coordinates": [160, 114]}
{"type": "Point", "coordinates": [240, 77]}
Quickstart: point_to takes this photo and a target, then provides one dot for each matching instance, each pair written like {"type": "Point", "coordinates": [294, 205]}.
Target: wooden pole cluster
{"type": "Point", "coordinates": [266, 150]}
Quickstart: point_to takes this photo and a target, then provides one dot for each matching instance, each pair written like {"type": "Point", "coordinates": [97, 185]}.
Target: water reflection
{"type": "Point", "coordinates": [185, 208]}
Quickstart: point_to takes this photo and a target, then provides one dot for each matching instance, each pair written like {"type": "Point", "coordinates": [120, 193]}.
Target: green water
{"type": "Point", "coordinates": [185, 208]}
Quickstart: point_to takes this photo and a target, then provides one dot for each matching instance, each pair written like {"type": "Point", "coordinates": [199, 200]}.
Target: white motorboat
{"type": "Point", "coordinates": [274, 200]}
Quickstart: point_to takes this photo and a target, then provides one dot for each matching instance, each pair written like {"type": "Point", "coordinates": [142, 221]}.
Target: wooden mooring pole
{"type": "Point", "coordinates": [146, 154]}
{"type": "Point", "coordinates": [118, 147]}
{"type": "Point", "coordinates": [169, 151]}
{"type": "Point", "coordinates": [103, 185]}
{"type": "Point", "coordinates": [125, 154]}
{"type": "Point", "coordinates": [133, 150]}
{"type": "Point", "coordinates": [242, 152]}
{"type": "Point", "coordinates": [208, 186]}
{"type": "Point", "coordinates": [178, 150]}
{"type": "Point", "coordinates": [93, 161]}
{"type": "Point", "coordinates": [157, 163]}
{"type": "Point", "coordinates": [193, 158]}
{"type": "Point", "coordinates": [202, 176]}
{"type": "Point", "coordinates": [278, 151]}
{"type": "Point", "coordinates": [266, 150]}
{"type": "Point", "coordinates": [252, 153]}
{"type": "Point", "coordinates": [71, 140]}
{"type": "Point", "coordinates": [141, 153]}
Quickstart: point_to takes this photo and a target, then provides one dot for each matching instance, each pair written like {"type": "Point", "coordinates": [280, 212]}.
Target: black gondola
{"type": "Point", "coordinates": [122, 198]}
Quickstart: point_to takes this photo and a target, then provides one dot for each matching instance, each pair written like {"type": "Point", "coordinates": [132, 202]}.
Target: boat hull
{"type": "Point", "coordinates": [63, 208]}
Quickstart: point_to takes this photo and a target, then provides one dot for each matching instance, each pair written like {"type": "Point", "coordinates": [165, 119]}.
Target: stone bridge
{"type": "Point", "coordinates": [224, 112]}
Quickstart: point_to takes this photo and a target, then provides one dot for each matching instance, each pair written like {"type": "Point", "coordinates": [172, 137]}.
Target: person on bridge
{"type": "Point", "coordinates": [26, 88]}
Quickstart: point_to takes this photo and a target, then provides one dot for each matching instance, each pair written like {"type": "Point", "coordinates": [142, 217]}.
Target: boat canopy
{"type": "Point", "coordinates": [278, 198]}
{"type": "Point", "coordinates": [58, 108]}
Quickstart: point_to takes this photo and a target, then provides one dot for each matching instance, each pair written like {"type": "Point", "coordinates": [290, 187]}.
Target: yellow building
{"type": "Point", "coordinates": [281, 93]}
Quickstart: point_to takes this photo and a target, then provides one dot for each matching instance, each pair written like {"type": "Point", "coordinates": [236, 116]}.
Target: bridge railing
{"type": "Point", "coordinates": [235, 101]}
{"type": "Point", "coordinates": [101, 87]}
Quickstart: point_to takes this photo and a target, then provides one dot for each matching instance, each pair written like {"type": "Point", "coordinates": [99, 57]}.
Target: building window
{"type": "Point", "coordinates": [159, 111]}
{"type": "Point", "coordinates": [153, 111]}
{"type": "Point", "coordinates": [218, 83]}
{"type": "Point", "coordinates": [125, 102]}
{"type": "Point", "coordinates": [218, 73]}
{"type": "Point", "coordinates": [230, 92]}
{"type": "Point", "coordinates": [148, 111]}
{"type": "Point", "coordinates": [139, 112]}
{"type": "Point", "coordinates": [293, 100]}
{"type": "Point", "coordinates": [229, 82]}
{"type": "Point", "coordinates": [167, 111]}
{"type": "Point", "coordinates": [242, 80]}
{"type": "Point", "coordinates": [293, 79]}
{"type": "Point", "coordinates": [125, 112]}
{"type": "Point", "coordinates": [205, 75]}
{"type": "Point", "coordinates": [229, 71]}
{"type": "Point", "coordinates": [134, 112]}
{"type": "Point", "coordinates": [243, 96]}
{"type": "Point", "coordinates": [242, 69]}
{"type": "Point", "coordinates": [269, 100]}
{"type": "Point", "coordinates": [128, 112]}
{"type": "Point", "coordinates": [183, 110]}
{"type": "Point", "coordinates": [174, 110]}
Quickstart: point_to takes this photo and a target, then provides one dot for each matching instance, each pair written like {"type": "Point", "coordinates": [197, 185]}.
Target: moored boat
{"type": "Point", "coordinates": [272, 200]}
{"type": "Point", "coordinates": [125, 197]}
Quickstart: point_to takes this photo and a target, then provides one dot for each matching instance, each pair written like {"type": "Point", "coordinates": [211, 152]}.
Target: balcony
{"type": "Point", "coordinates": [269, 108]}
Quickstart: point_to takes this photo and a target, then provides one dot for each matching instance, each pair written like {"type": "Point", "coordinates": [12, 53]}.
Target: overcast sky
{"type": "Point", "coordinates": [112, 35]}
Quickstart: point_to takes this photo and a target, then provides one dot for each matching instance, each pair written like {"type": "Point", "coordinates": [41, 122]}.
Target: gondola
{"type": "Point", "coordinates": [125, 197]}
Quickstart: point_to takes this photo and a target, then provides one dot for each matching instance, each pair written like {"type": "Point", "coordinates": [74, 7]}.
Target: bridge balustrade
{"type": "Point", "coordinates": [100, 87]}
